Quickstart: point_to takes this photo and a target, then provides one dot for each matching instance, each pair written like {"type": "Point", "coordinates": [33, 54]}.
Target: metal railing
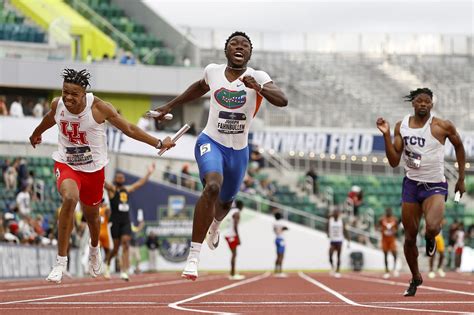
{"type": "Point", "coordinates": [103, 23]}
{"type": "Point", "coordinates": [264, 205]}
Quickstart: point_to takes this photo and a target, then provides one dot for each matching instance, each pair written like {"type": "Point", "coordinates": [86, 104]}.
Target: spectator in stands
{"type": "Point", "coordinates": [10, 174]}
{"type": "Point", "coordinates": [459, 246]}
{"type": "Point", "coordinates": [11, 228]}
{"type": "Point", "coordinates": [355, 197]}
{"type": "Point", "coordinates": [267, 188]}
{"type": "Point", "coordinates": [169, 176]}
{"type": "Point", "coordinates": [3, 106]}
{"type": "Point", "coordinates": [22, 170]}
{"type": "Point", "coordinates": [23, 200]}
{"type": "Point", "coordinates": [16, 108]}
{"type": "Point", "coordinates": [311, 180]}
{"type": "Point", "coordinates": [186, 178]}
{"type": "Point", "coordinates": [128, 59]}
{"type": "Point", "coordinates": [144, 123]}
{"type": "Point", "coordinates": [38, 109]}
{"type": "Point", "coordinates": [470, 236]}
{"type": "Point", "coordinates": [26, 231]}
{"type": "Point", "coordinates": [152, 244]}
{"type": "Point", "coordinates": [256, 156]}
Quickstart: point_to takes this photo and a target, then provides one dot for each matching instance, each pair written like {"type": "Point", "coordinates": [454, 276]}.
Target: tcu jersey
{"type": "Point", "coordinates": [423, 154]}
{"type": "Point", "coordinates": [232, 106]}
{"type": "Point", "coordinates": [82, 142]}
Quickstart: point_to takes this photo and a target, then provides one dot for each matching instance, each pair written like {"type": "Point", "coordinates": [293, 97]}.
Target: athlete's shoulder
{"type": "Point", "coordinates": [213, 66]}
{"type": "Point", "coordinates": [54, 102]}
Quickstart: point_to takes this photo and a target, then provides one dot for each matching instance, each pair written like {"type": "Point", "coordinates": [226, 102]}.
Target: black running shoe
{"type": "Point", "coordinates": [430, 247]}
{"type": "Point", "coordinates": [414, 284]}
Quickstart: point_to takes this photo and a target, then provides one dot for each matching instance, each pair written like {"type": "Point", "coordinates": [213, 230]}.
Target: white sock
{"type": "Point", "coordinates": [93, 250]}
{"type": "Point", "coordinates": [195, 250]}
{"type": "Point", "coordinates": [215, 225]}
{"type": "Point", "coordinates": [61, 260]}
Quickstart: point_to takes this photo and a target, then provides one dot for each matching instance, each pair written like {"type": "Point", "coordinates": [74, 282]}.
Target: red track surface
{"type": "Point", "coordinates": [318, 293]}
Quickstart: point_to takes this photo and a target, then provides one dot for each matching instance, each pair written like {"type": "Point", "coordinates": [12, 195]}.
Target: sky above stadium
{"type": "Point", "coordinates": [374, 16]}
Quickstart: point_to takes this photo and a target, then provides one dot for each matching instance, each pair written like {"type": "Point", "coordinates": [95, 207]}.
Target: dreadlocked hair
{"type": "Point", "coordinates": [77, 77]}
{"type": "Point", "coordinates": [410, 97]}
{"type": "Point", "coordinates": [237, 33]}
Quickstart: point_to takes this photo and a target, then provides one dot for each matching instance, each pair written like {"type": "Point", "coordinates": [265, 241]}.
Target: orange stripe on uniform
{"type": "Point", "coordinates": [259, 102]}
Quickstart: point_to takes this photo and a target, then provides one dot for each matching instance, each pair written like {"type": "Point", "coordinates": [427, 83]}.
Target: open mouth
{"type": "Point", "coordinates": [239, 56]}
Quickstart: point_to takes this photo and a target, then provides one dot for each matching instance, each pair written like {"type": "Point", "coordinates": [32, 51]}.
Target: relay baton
{"type": "Point", "coordinates": [175, 138]}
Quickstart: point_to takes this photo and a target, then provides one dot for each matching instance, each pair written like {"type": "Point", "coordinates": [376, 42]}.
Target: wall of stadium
{"type": "Point", "coordinates": [110, 78]}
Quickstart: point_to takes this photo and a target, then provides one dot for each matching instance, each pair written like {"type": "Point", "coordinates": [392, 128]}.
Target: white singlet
{"type": "Point", "coordinates": [336, 230]}
{"type": "Point", "coordinates": [232, 106]}
{"type": "Point", "coordinates": [230, 230]}
{"type": "Point", "coordinates": [82, 142]}
{"type": "Point", "coordinates": [423, 154]}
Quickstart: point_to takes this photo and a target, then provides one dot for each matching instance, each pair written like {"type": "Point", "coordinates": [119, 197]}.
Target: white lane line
{"type": "Point", "coordinates": [141, 286]}
{"type": "Point", "coordinates": [166, 303]}
{"type": "Point", "coordinates": [350, 302]}
{"type": "Point", "coordinates": [437, 279]}
{"type": "Point", "coordinates": [423, 302]}
{"type": "Point", "coordinates": [390, 282]}
{"type": "Point", "coordinates": [176, 306]}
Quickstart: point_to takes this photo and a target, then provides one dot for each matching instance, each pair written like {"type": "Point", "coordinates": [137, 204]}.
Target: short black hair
{"type": "Point", "coordinates": [410, 97]}
{"type": "Point", "coordinates": [238, 33]}
{"type": "Point", "coordinates": [278, 215]}
{"type": "Point", "coordinates": [77, 77]}
{"type": "Point", "coordinates": [239, 204]}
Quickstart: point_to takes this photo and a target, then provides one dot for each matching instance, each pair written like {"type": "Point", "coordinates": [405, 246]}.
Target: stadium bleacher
{"type": "Point", "coordinates": [13, 27]}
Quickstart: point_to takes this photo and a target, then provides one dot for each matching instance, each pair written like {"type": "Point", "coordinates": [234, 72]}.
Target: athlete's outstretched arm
{"type": "Point", "coordinates": [194, 91]}
{"type": "Point", "coordinates": [108, 112]}
{"type": "Point", "coordinates": [109, 187]}
{"type": "Point", "coordinates": [392, 150]}
{"type": "Point", "coordinates": [455, 139]}
{"type": "Point", "coordinates": [269, 90]}
{"type": "Point", "coordinates": [139, 183]}
{"type": "Point", "coordinates": [45, 124]}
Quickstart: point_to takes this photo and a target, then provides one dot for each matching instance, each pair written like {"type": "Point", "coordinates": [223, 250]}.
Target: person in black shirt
{"type": "Point", "coordinates": [121, 226]}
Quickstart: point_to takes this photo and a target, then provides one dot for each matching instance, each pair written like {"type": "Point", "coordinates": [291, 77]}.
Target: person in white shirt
{"type": "Point", "coordinates": [458, 246]}
{"type": "Point", "coordinates": [420, 140]}
{"type": "Point", "coordinates": [232, 237]}
{"type": "Point", "coordinates": [38, 110]}
{"type": "Point", "coordinates": [279, 227]}
{"type": "Point", "coordinates": [81, 159]}
{"type": "Point", "coordinates": [336, 231]}
{"type": "Point", "coordinates": [221, 150]}
{"type": "Point", "coordinates": [16, 108]}
{"type": "Point", "coordinates": [23, 201]}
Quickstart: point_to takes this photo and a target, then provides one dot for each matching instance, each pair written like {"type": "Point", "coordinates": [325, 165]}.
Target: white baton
{"type": "Point", "coordinates": [175, 138]}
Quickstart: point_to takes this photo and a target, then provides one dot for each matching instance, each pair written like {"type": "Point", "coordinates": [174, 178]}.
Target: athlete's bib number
{"type": "Point", "coordinates": [231, 123]}
{"type": "Point", "coordinates": [78, 155]}
{"type": "Point", "coordinates": [413, 159]}
{"type": "Point", "coordinates": [123, 205]}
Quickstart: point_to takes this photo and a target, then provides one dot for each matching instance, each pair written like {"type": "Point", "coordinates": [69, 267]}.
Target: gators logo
{"type": "Point", "coordinates": [230, 99]}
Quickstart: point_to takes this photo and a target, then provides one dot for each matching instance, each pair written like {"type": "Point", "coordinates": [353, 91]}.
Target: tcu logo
{"type": "Point", "coordinates": [71, 130]}
{"type": "Point", "coordinates": [414, 141]}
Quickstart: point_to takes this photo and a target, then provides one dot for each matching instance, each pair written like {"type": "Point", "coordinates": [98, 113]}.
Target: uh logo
{"type": "Point", "coordinates": [412, 140]}
{"type": "Point", "coordinates": [71, 130]}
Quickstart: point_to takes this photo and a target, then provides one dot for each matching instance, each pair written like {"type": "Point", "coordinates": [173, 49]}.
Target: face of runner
{"type": "Point", "coordinates": [119, 179]}
{"type": "Point", "coordinates": [74, 97]}
{"type": "Point", "coordinates": [238, 52]}
{"type": "Point", "coordinates": [422, 105]}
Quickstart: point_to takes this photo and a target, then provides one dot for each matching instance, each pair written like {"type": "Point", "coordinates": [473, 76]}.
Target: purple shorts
{"type": "Point", "coordinates": [414, 191]}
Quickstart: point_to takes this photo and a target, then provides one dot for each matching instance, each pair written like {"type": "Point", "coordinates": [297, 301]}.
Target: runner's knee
{"type": "Point", "coordinates": [70, 197]}
{"type": "Point", "coordinates": [432, 230]}
{"type": "Point", "coordinates": [212, 189]}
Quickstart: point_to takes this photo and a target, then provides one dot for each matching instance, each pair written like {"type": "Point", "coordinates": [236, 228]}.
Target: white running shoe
{"type": "Point", "coordinates": [237, 277]}
{"type": "Point", "coordinates": [190, 272]}
{"type": "Point", "coordinates": [395, 273]}
{"type": "Point", "coordinates": [124, 276]}
{"type": "Point", "coordinates": [95, 263]}
{"type": "Point", "coordinates": [107, 272]}
{"type": "Point", "coordinates": [386, 275]}
{"type": "Point", "coordinates": [281, 275]}
{"type": "Point", "coordinates": [212, 239]}
{"type": "Point", "coordinates": [337, 275]}
{"type": "Point", "coordinates": [431, 275]}
{"type": "Point", "coordinates": [441, 273]}
{"type": "Point", "coordinates": [56, 275]}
